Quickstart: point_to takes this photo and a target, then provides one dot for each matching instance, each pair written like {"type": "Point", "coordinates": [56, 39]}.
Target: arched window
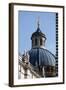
{"type": "Point", "coordinates": [36, 41]}
{"type": "Point", "coordinates": [41, 41]}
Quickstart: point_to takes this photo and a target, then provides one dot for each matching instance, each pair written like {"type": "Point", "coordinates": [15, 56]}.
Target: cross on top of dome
{"type": "Point", "coordinates": [38, 22]}
{"type": "Point", "coordinates": [38, 29]}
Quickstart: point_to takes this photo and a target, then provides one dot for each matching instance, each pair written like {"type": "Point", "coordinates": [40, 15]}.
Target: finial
{"type": "Point", "coordinates": [38, 22]}
{"type": "Point", "coordinates": [38, 28]}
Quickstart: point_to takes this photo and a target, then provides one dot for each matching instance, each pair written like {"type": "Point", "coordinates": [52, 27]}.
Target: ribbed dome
{"type": "Point", "coordinates": [42, 57]}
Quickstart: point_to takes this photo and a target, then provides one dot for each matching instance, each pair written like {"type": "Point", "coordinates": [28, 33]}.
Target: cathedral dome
{"type": "Point", "coordinates": [41, 57]}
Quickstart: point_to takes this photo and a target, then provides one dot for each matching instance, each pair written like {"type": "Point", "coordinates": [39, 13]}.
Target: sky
{"type": "Point", "coordinates": [27, 24]}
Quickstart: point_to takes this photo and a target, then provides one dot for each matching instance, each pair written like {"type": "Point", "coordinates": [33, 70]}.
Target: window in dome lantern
{"type": "Point", "coordinates": [40, 41]}
{"type": "Point", "coordinates": [36, 41]}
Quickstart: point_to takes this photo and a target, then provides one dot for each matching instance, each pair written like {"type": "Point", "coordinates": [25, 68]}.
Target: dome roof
{"type": "Point", "coordinates": [42, 57]}
{"type": "Point", "coordinates": [38, 33]}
